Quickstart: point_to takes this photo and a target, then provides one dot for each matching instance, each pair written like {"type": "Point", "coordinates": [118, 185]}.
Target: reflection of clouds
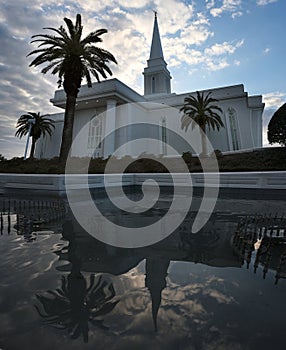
{"type": "Point", "coordinates": [132, 280]}
{"type": "Point", "coordinates": [132, 318]}
{"type": "Point", "coordinates": [218, 296]}
{"type": "Point", "coordinates": [223, 344]}
{"type": "Point", "coordinates": [185, 316]}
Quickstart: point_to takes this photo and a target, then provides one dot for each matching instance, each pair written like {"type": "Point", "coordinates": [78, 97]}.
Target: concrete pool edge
{"type": "Point", "coordinates": [55, 184]}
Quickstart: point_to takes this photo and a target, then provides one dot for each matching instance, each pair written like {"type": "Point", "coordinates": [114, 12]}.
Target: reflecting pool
{"type": "Point", "coordinates": [222, 288]}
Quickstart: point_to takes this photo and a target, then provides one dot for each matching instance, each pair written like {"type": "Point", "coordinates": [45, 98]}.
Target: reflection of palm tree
{"type": "Point", "coordinates": [75, 304]}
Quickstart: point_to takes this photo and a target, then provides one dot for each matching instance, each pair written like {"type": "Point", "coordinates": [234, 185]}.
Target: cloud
{"type": "Point", "coordinates": [196, 32]}
{"type": "Point", "coordinates": [274, 99]}
{"type": "Point", "coordinates": [224, 48]}
{"type": "Point", "coordinates": [210, 4]}
{"type": "Point", "coordinates": [231, 6]}
{"type": "Point", "coordinates": [236, 14]}
{"type": "Point", "coordinates": [216, 65]}
{"type": "Point", "coordinates": [213, 58]}
{"type": "Point", "coordinates": [180, 50]}
{"type": "Point", "coordinates": [265, 2]}
{"type": "Point", "coordinates": [22, 89]}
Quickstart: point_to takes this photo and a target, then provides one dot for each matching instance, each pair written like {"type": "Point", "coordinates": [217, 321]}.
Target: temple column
{"type": "Point", "coordinates": [110, 119]}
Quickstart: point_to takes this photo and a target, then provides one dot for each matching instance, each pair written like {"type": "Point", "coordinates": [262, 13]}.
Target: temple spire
{"type": "Point", "coordinates": [157, 78]}
{"type": "Point", "coordinates": [156, 47]}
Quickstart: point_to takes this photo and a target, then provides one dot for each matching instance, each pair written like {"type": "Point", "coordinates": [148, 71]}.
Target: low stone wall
{"type": "Point", "coordinates": [55, 184]}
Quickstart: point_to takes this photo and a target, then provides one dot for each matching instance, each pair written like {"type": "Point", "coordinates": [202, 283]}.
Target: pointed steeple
{"type": "Point", "coordinates": [157, 78]}
{"type": "Point", "coordinates": [156, 47]}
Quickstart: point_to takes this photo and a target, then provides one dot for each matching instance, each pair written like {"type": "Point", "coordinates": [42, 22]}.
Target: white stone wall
{"type": "Point", "coordinates": [247, 110]}
{"type": "Point", "coordinates": [49, 147]}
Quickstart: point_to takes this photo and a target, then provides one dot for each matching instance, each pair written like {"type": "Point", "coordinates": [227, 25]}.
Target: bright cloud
{"type": "Point", "coordinates": [274, 99]}
{"type": "Point", "coordinates": [224, 48]}
{"type": "Point", "coordinates": [196, 32]}
{"type": "Point", "coordinates": [232, 6]}
{"type": "Point", "coordinates": [265, 2]}
{"type": "Point", "coordinates": [216, 65]}
{"type": "Point", "coordinates": [210, 4]}
{"type": "Point", "coordinates": [236, 14]}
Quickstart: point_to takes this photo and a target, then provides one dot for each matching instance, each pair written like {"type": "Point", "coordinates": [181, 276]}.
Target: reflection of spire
{"type": "Point", "coordinates": [156, 272]}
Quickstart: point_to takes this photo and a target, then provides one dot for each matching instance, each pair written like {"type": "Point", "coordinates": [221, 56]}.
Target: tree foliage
{"type": "Point", "coordinates": [41, 127]}
{"type": "Point", "coordinates": [203, 111]}
{"type": "Point", "coordinates": [72, 58]}
{"type": "Point", "coordinates": [277, 127]}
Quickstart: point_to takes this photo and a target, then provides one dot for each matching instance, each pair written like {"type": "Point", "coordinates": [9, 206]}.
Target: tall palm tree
{"type": "Point", "coordinates": [41, 126]}
{"type": "Point", "coordinates": [202, 111]}
{"type": "Point", "coordinates": [72, 58]}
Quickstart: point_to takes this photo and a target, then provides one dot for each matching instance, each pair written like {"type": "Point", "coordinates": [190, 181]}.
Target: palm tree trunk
{"type": "Point", "coordinates": [204, 141]}
{"type": "Point", "coordinates": [67, 135]}
{"type": "Point", "coordinates": [33, 148]}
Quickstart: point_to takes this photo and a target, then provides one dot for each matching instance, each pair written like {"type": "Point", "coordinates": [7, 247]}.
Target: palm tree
{"type": "Point", "coordinates": [202, 111]}
{"type": "Point", "coordinates": [40, 127]}
{"type": "Point", "coordinates": [72, 58]}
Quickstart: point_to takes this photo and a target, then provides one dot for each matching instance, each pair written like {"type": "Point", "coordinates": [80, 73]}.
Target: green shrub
{"type": "Point", "coordinates": [217, 153]}
{"type": "Point", "coordinates": [269, 159]}
{"type": "Point", "coordinates": [187, 156]}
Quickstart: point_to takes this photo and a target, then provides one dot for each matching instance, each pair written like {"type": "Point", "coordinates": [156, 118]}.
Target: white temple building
{"type": "Point", "coordinates": [113, 107]}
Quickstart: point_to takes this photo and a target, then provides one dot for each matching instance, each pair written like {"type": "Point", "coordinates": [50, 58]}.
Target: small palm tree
{"type": "Point", "coordinates": [72, 58]}
{"type": "Point", "coordinates": [202, 111]}
{"type": "Point", "coordinates": [40, 127]}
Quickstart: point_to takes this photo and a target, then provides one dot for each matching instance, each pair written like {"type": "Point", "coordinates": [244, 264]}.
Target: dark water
{"type": "Point", "coordinates": [62, 289]}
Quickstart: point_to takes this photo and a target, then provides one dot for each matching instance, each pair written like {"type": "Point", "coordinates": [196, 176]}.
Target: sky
{"type": "Point", "coordinates": [206, 43]}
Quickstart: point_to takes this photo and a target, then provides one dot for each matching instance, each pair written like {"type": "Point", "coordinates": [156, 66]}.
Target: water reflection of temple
{"type": "Point", "coordinates": [225, 241]}
{"type": "Point", "coordinates": [215, 245]}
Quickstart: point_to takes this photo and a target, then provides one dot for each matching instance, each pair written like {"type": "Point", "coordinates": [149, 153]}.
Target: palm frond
{"type": "Point", "coordinates": [65, 54]}
{"type": "Point", "coordinates": [201, 110]}
{"type": "Point", "coordinates": [70, 26]}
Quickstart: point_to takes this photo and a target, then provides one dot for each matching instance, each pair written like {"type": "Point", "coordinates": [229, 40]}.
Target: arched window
{"type": "Point", "coordinates": [233, 125]}
{"type": "Point", "coordinates": [163, 135]}
{"type": "Point", "coordinates": [94, 136]}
